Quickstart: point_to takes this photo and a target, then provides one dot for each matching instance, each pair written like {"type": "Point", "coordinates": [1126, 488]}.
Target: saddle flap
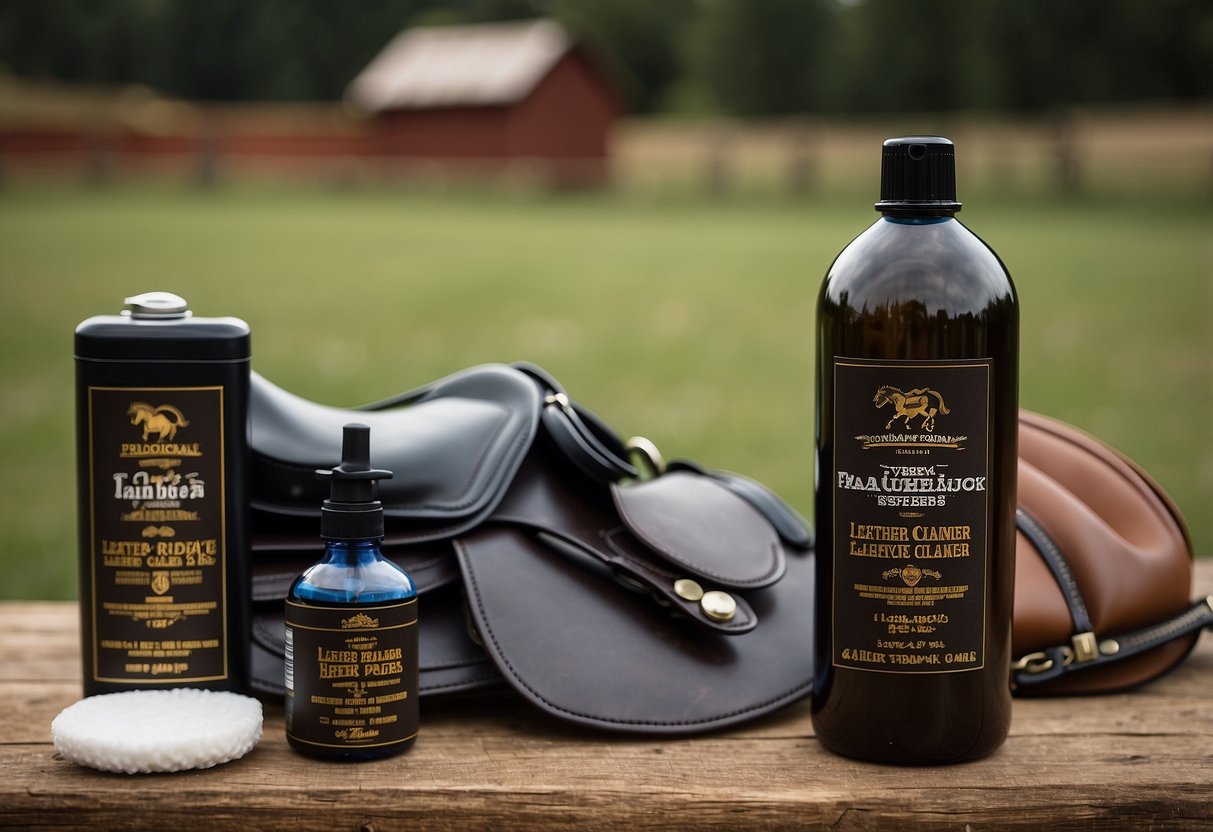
{"type": "Point", "coordinates": [574, 516]}
{"type": "Point", "coordinates": [453, 446]}
{"type": "Point", "coordinates": [596, 654]}
{"type": "Point", "coordinates": [702, 526]}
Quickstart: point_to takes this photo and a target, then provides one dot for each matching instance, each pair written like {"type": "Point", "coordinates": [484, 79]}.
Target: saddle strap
{"type": "Point", "coordinates": [580, 435]}
{"type": "Point", "coordinates": [1060, 568]}
{"type": "Point", "coordinates": [1087, 652]}
{"type": "Point", "coordinates": [599, 453]}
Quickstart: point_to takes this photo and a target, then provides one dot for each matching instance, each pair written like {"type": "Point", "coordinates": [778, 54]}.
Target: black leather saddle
{"type": "Point", "coordinates": [610, 593]}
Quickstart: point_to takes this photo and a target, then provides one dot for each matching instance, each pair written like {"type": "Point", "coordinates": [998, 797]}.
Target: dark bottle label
{"type": "Point", "coordinates": [157, 534]}
{"type": "Point", "coordinates": [351, 674]}
{"type": "Point", "coordinates": [911, 514]}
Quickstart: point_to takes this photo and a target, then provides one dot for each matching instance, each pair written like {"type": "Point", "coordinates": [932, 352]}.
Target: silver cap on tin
{"type": "Point", "coordinates": [157, 305]}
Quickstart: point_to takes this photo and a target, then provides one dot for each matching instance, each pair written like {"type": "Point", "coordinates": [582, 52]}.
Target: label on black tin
{"type": "Point", "coordinates": [351, 674]}
{"type": "Point", "coordinates": [911, 514]}
{"type": "Point", "coordinates": [157, 534]}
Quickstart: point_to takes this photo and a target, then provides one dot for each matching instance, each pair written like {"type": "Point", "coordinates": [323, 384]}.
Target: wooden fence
{"type": "Point", "coordinates": [1161, 148]}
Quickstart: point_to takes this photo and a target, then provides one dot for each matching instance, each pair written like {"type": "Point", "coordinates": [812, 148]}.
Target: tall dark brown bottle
{"type": "Point", "coordinates": [917, 386]}
{"type": "Point", "coordinates": [161, 416]}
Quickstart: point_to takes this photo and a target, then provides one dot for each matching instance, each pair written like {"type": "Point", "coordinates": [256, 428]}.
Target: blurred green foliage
{"type": "Point", "coordinates": [739, 57]}
{"type": "Point", "coordinates": [687, 321]}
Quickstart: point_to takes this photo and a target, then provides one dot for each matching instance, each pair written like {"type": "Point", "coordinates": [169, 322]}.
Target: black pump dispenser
{"type": "Point", "coordinates": [352, 511]}
{"type": "Point", "coordinates": [918, 175]}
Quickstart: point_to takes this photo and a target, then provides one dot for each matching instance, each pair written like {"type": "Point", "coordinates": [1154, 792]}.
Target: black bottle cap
{"type": "Point", "coordinates": [352, 511]}
{"type": "Point", "coordinates": [918, 174]}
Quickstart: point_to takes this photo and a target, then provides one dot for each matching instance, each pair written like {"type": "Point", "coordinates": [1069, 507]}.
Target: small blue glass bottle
{"type": "Point", "coordinates": [351, 627]}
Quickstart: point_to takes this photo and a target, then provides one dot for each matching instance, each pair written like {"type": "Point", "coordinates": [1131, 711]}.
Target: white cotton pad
{"type": "Point", "coordinates": [157, 730]}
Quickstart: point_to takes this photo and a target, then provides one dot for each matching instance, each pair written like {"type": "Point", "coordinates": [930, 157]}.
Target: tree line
{"type": "Point", "coordinates": [732, 57]}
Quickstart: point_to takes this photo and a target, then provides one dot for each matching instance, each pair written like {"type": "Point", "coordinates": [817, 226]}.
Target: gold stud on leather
{"type": "Point", "coordinates": [718, 606]}
{"type": "Point", "coordinates": [688, 590]}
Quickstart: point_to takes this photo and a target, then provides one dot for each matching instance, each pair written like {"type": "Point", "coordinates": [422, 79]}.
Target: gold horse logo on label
{"type": "Point", "coordinates": [910, 404]}
{"type": "Point", "coordinates": [162, 421]}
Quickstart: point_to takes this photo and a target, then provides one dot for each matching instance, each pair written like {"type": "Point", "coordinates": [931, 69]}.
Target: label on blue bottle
{"type": "Point", "coordinates": [351, 674]}
{"type": "Point", "coordinates": [911, 514]}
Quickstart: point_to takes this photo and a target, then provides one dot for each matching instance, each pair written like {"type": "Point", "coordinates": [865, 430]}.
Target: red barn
{"type": "Point", "coordinates": [490, 94]}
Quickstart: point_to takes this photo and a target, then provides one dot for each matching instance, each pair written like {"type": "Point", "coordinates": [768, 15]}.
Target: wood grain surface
{"type": "Point", "coordinates": [1135, 760]}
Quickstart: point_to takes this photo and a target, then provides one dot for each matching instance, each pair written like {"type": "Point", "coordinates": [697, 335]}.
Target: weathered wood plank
{"type": "Point", "coordinates": [39, 641]}
{"type": "Point", "coordinates": [520, 775]}
{"type": "Point", "coordinates": [30, 707]}
{"type": "Point", "coordinates": [1141, 759]}
{"type": "Point", "coordinates": [515, 783]}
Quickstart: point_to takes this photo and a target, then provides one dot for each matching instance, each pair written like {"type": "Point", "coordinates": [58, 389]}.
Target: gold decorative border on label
{"type": "Point", "coordinates": [347, 609]}
{"type": "Point", "coordinates": [327, 608]}
{"type": "Point", "coordinates": [92, 514]}
{"type": "Point", "coordinates": [982, 363]}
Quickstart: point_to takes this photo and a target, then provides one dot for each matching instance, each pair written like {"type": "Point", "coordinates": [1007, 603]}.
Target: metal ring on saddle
{"type": "Point", "coordinates": [645, 456]}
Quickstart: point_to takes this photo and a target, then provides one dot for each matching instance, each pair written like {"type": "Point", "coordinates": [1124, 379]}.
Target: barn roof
{"type": "Point", "coordinates": [452, 66]}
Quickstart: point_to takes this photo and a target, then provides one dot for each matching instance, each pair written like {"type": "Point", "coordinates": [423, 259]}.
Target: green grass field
{"type": "Point", "coordinates": [687, 321]}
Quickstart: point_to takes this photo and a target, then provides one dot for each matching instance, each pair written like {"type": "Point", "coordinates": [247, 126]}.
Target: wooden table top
{"type": "Point", "coordinates": [1136, 760]}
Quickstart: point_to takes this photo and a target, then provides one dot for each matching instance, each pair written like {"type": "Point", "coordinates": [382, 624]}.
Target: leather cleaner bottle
{"type": "Point", "coordinates": [351, 627]}
{"type": "Point", "coordinates": [916, 404]}
{"type": "Point", "coordinates": [162, 462]}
